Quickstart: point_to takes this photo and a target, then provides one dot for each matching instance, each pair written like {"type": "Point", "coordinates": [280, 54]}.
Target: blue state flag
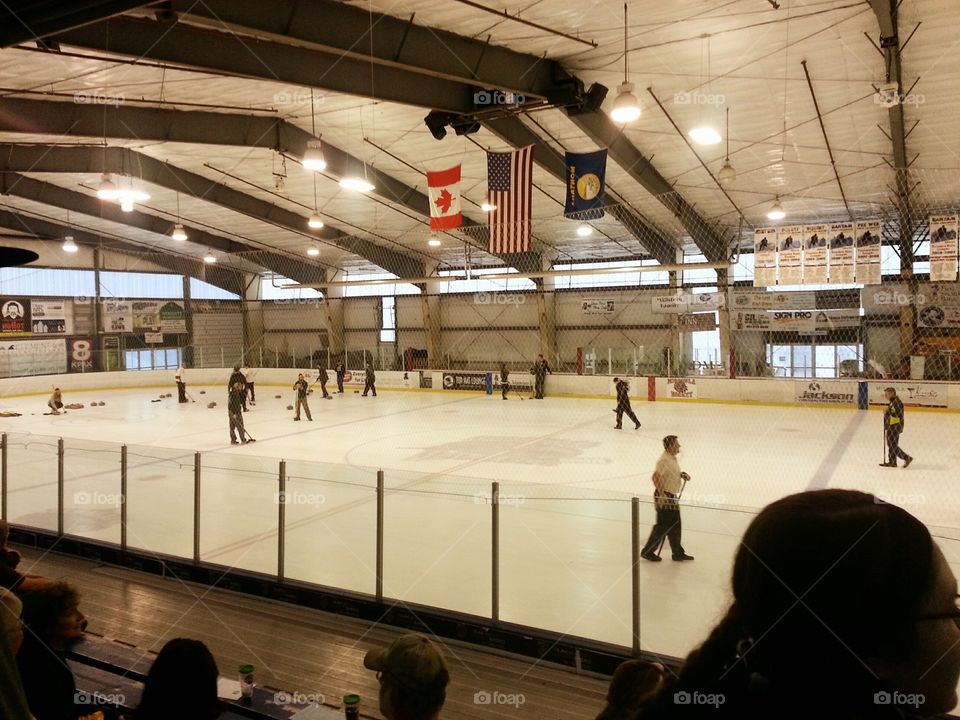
{"type": "Point", "coordinates": [585, 185]}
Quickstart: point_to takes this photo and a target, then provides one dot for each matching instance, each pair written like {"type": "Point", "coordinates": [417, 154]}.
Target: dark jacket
{"type": "Point", "coordinates": [235, 398]}
{"type": "Point", "coordinates": [893, 417]}
{"type": "Point", "coordinates": [236, 377]}
{"type": "Point", "coordinates": [623, 394]}
{"type": "Point", "coordinates": [504, 375]}
{"type": "Point", "coordinates": [301, 387]}
{"type": "Point", "coordinates": [341, 371]}
{"type": "Point", "coordinates": [371, 375]}
{"type": "Point", "coordinates": [322, 375]}
{"type": "Point", "coordinates": [47, 681]}
{"type": "Point", "coordinates": [541, 368]}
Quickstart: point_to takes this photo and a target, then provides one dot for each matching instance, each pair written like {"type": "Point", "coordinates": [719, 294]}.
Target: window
{"type": "Point", "coordinates": [611, 279]}
{"type": "Point", "coordinates": [46, 281]}
{"type": "Point", "coordinates": [477, 283]}
{"type": "Point", "coordinates": [388, 327]}
{"type": "Point", "coordinates": [827, 360]}
{"type": "Point", "coordinates": [699, 276]}
{"type": "Point", "coordinates": [155, 359]}
{"type": "Point", "coordinates": [271, 288]}
{"type": "Point", "coordinates": [140, 285]}
{"type": "Point", "coordinates": [200, 290]}
{"type": "Point", "coordinates": [743, 270]}
{"type": "Point", "coordinates": [384, 288]}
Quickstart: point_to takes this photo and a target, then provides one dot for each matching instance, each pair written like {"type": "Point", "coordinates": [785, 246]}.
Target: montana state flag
{"type": "Point", "coordinates": [444, 188]}
{"type": "Point", "coordinates": [585, 185]}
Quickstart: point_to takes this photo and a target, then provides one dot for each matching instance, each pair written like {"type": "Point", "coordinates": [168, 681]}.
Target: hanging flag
{"type": "Point", "coordinates": [444, 189]}
{"type": "Point", "coordinates": [585, 185]}
{"type": "Point", "coordinates": [510, 191]}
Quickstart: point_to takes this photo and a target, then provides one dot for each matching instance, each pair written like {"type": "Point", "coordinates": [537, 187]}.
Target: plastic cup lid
{"type": "Point", "coordinates": [247, 669]}
{"type": "Point", "coordinates": [351, 699]}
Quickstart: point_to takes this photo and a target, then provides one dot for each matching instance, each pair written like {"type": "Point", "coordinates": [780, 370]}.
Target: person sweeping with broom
{"type": "Point", "coordinates": [668, 481]}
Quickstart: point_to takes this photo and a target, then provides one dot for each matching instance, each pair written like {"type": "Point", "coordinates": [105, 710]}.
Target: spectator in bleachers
{"type": "Point", "coordinates": [13, 702]}
{"type": "Point", "coordinates": [11, 607]}
{"type": "Point", "coordinates": [10, 578]}
{"type": "Point", "coordinates": [633, 683]}
{"type": "Point", "coordinates": [52, 622]}
{"type": "Point", "coordinates": [843, 607]}
{"type": "Point", "coordinates": [181, 684]}
{"type": "Point", "coordinates": [413, 678]}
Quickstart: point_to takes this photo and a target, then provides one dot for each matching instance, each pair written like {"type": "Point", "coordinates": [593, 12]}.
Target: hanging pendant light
{"type": "Point", "coordinates": [313, 158]}
{"type": "Point", "coordinates": [727, 173]}
{"type": "Point", "coordinates": [314, 220]}
{"type": "Point", "coordinates": [69, 245]}
{"type": "Point", "coordinates": [178, 234]}
{"type": "Point", "coordinates": [705, 134]}
{"type": "Point", "coordinates": [776, 211]}
{"type": "Point", "coordinates": [434, 242]}
{"type": "Point", "coordinates": [209, 259]}
{"type": "Point", "coordinates": [584, 230]}
{"type": "Point", "coordinates": [313, 252]}
{"type": "Point", "coordinates": [487, 206]}
{"type": "Point", "coordinates": [107, 190]}
{"type": "Point", "coordinates": [626, 107]}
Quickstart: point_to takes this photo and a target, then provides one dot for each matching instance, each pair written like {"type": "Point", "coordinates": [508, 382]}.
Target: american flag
{"type": "Point", "coordinates": [510, 190]}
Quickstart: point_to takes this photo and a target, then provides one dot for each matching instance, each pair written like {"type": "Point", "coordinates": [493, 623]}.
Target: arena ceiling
{"type": "Point", "coordinates": [208, 107]}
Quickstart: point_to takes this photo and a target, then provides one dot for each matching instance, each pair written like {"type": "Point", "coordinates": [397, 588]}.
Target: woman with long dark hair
{"type": "Point", "coordinates": [843, 607]}
{"type": "Point", "coordinates": [182, 684]}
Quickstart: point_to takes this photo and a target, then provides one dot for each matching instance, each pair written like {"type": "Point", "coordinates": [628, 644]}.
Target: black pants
{"type": "Point", "coordinates": [538, 386]}
{"type": "Point", "coordinates": [504, 389]}
{"type": "Point", "coordinates": [621, 409]}
{"type": "Point", "coordinates": [253, 394]}
{"type": "Point", "coordinates": [667, 525]}
{"type": "Point", "coordinates": [302, 401]}
{"type": "Point", "coordinates": [323, 386]}
{"type": "Point", "coordinates": [339, 383]}
{"type": "Point", "coordinates": [893, 446]}
{"type": "Point", "coordinates": [236, 426]}
{"type": "Point", "coordinates": [368, 387]}
{"type": "Point", "coordinates": [181, 391]}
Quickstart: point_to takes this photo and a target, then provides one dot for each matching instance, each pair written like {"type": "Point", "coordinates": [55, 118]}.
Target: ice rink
{"type": "Point", "coordinates": [566, 478]}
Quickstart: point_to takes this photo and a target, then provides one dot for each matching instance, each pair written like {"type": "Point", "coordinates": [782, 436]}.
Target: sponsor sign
{"type": "Point", "coordinates": [521, 382]}
{"type": "Point", "coordinates": [790, 239]}
{"type": "Point", "coordinates": [33, 357]}
{"type": "Point", "coordinates": [943, 247]}
{"type": "Point", "coordinates": [824, 392]}
{"type": "Point", "coordinates": [911, 393]}
{"type": "Point", "coordinates": [48, 317]}
{"type": "Point", "coordinates": [465, 381]}
{"type": "Point", "coordinates": [173, 317]}
{"type": "Point", "coordinates": [937, 316]}
{"type": "Point", "coordinates": [868, 236]}
{"type": "Point", "coordinates": [385, 378]}
{"type": "Point", "coordinates": [14, 317]}
{"type": "Point", "coordinates": [117, 316]}
{"type": "Point", "coordinates": [800, 321]}
{"type": "Point", "coordinates": [598, 307]}
{"type": "Point", "coordinates": [153, 338]}
{"type": "Point", "coordinates": [763, 300]}
{"type": "Point", "coordinates": [80, 355]}
{"type": "Point", "coordinates": [697, 321]}
{"type": "Point", "coordinates": [841, 242]}
{"type": "Point", "coordinates": [682, 388]}
{"type": "Point", "coordinates": [815, 240]}
{"type": "Point", "coordinates": [677, 304]}
{"type": "Point", "coordinates": [765, 257]}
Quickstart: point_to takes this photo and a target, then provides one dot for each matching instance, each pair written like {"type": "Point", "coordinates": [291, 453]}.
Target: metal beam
{"type": "Point", "coordinates": [601, 129]}
{"type": "Point", "coordinates": [32, 21]}
{"type": "Point", "coordinates": [225, 278]}
{"type": "Point", "coordinates": [44, 117]}
{"type": "Point", "coordinates": [231, 54]}
{"type": "Point", "coordinates": [30, 188]}
{"type": "Point", "coordinates": [90, 159]}
{"type": "Point", "coordinates": [513, 131]}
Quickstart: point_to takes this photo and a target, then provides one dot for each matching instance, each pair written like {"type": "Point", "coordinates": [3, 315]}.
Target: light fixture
{"type": "Point", "coordinates": [727, 173]}
{"type": "Point", "coordinates": [315, 222]}
{"type": "Point", "coordinates": [626, 107]}
{"type": "Point", "coordinates": [107, 190]}
{"type": "Point", "coordinates": [434, 242]}
{"type": "Point", "coordinates": [209, 259]}
{"type": "Point", "coordinates": [776, 211]}
{"type": "Point", "coordinates": [313, 156]}
{"type": "Point", "coordinates": [358, 184]}
{"type": "Point", "coordinates": [69, 245]}
{"type": "Point", "coordinates": [704, 135]}
{"type": "Point", "coordinates": [178, 234]}
{"type": "Point", "coordinates": [487, 206]}
{"type": "Point", "coordinates": [584, 230]}
{"type": "Point", "coordinates": [126, 203]}
{"type": "Point", "coordinates": [313, 252]}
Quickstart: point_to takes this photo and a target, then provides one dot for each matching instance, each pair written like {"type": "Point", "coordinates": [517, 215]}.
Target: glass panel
{"type": "Point", "coordinates": [160, 500]}
{"type": "Point", "coordinates": [239, 511]}
{"type": "Point", "coordinates": [802, 361]}
{"type": "Point", "coordinates": [849, 360]}
{"type": "Point", "coordinates": [140, 285]}
{"type": "Point", "coordinates": [826, 361]}
{"type": "Point", "coordinates": [146, 359]}
{"type": "Point", "coordinates": [780, 360]}
{"type": "Point", "coordinates": [47, 281]}
{"type": "Point", "coordinates": [32, 480]}
{"type": "Point", "coordinates": [131, 360]}
{"type": "Point", "coordinates": [92, 500]}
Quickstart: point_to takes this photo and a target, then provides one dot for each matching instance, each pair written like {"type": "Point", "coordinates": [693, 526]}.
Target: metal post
{"type": "Point", "coordinates": [635, 570]}
{"type": "Point", "coordinates": [260, 353]}
{"type": "Point", "coordinates": [379, 589]}
{"type": "Point", "coordinates": [201, 357]}
{"type": "Point", "coordinates": [221, 357]}
{"type": "Point", "coordinates": [3, 476]}
{"type": "Point", "coordinates": [196, 507]}
{"type": "Point", "coordinates": [281, 519]}
{"type": "Point", "coordinates": [123, 498]}
{"type": "Point", "coordinates": [276, 357]}
{"type": "Point", "coordinates": [609, 361]}
{"type": "Point", "coordinates": [495, 553]}
{"type": "Point", "coordinates": [60, 487]}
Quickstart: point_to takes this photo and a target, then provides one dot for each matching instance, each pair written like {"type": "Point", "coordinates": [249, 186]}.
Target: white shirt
{"type": "Point", "coordinates": [668, 471]}
{"type": "Point", "coordinates": [245, 371]}
{"type": "Point", "coordinates": [181, 374]}
{"type": "Point", "coordinates": [249, 373]}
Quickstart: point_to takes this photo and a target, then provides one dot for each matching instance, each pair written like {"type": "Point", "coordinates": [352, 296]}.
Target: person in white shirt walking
{"type": "Point", "coordinates": [250, 374]}
{"type": "Point", "coordinates": [181, 378]}
{"type": "Point", "coordinates": [668, 481]}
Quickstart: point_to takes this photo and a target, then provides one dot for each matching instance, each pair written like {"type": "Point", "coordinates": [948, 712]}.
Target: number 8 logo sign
{"type": "Point", "coordinates": [81, 350]}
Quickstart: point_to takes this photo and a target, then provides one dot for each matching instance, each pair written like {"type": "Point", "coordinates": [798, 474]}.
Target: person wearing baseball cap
{"type": "Point", "coordinates": [413, 678]}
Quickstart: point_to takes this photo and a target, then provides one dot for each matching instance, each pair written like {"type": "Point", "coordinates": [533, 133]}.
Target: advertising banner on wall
{"type": "Point", "coordinates": [598, 307]}
{"type": "Point", "coordinates": [696, 322]}
{"type": "Point", "coordinates": [33, 357]}
{"type": "Point", "coordinates": [825, 392]}
{"type": "Point", "coordinates": [48, 317]}
{"type": "Point", "coordinates": [764, 300]}
{"type": "Point", "coordinates": [943, 248]}
{"type": "Point", "coordinates": [14, 316]}
{"type": "Point", "coordinates": [841, 261]}
{"type": "Point", "coordinates": [79, 355]}
{"type": "Point", "coordinates": [682, 388]}
{"type": "Point", "coordinates": [518, 381]}
{"type": "Point", "coordinates": [117, 316]}
{"type": "Point", "coordinates": [938, 316]}
{"type": "Point", "coordinates": [911, 393]}
{"type": "Point", "coordinates": [358, 378]}
{"type": "Point", "coordinates": [173, 317]}
{"type": "Point", "coordinates": [146, 315]}
{"type": "Point", "coordinates": [790, 260]}
{"type": "Point", "coordinates": [765, 257]}
{"type": "Point", "coordinates": [153, 338]}
{"type": "Point", "coordinates": [697, 302]}
{"type": "Point", "coordinates": [799, 321]}
{"type": "Point", "coordinates": [868, 235]}
{"type": "Point", "coordinates": [465, 381]}
{"type": "Point", "coordinates": [938, 305]}
{"type": "Point", "coordinates": [815, 254]}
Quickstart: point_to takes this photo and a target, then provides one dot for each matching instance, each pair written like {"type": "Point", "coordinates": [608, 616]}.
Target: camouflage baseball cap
{"type": "Point", "coordinates": [413, 660]}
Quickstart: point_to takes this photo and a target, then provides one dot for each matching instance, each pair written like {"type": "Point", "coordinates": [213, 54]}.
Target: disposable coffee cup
{"type": "Point", "coordinates": [351, 707]}
{"type": "Point", "coordinates": [246, 680]}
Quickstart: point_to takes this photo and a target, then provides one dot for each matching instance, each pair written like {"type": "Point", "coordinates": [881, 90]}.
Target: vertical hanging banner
{"type": "Point", "coordinates": [841, 264]}
{"type": "Point", "coordinates": [815, 254]}
{"type": "Point", "coordinates": [943, 248]}
{"type": "Point", "coordinates": [510, 191]}
{"type": "Point", "coordinates": [444, 189]}
{"type": "Point", "coordinates": [790, 260]}
{"type": "Point", "coordinates": [586, 184]}
{"type": "Point", "coordinates": [765, 257]}
{"type": "Point", "coordinates": [868, 234]}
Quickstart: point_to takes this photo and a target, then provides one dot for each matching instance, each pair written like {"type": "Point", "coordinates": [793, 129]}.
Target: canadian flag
{"type": "Point", "coordinates": [444, 187]}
